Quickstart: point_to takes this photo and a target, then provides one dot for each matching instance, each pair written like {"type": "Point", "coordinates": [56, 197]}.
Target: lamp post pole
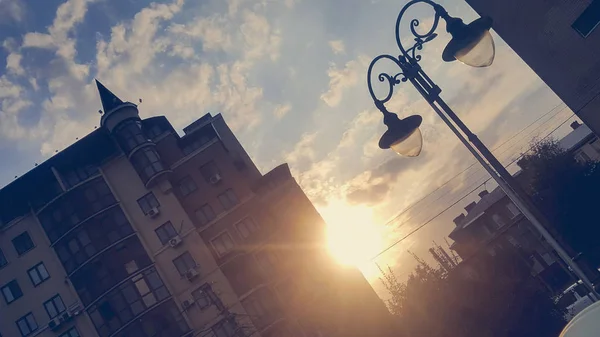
{"type": "Point", "coordinates": [411, 71]}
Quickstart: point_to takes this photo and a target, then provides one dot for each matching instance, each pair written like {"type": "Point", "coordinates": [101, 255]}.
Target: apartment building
{"type": "Point", "coordinates": [135, 230]}
{"type": "Point", "coordinates": [560, 41]}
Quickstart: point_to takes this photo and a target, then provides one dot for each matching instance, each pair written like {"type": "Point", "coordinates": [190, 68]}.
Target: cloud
{"type": "Point", "coordinates": [304, 151]}
{"type": "Point", "coordinates": [281, 110]}
{"type": "Point", "coordinates": [337, 46]}
{"type": "Point", "coordinates": [13, 64]}
{"type": "Point", "coordinates": [11, 9]}
{"type": "Point", "coordinates": [341, 79]}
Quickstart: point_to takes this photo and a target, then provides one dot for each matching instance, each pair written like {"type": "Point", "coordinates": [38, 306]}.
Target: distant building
{"type": "Point", "coordinates": [582, 143]}
{"type": "Point", "coordinates": [560, 41]}
{"type": "Point", "coordinates": [495, 223]}
{"type": "Point", "coordinates": [136, 231]}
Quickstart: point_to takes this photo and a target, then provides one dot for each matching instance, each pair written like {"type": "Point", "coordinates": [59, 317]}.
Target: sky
{"type": "Point", "coordinates": [289, 77]}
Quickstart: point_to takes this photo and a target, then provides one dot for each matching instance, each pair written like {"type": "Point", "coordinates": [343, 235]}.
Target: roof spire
{"type": "Point", "coordinates": [109, 100]}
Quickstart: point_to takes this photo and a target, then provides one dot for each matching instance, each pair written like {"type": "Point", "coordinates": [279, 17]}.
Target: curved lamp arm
{"type": "Point", "coordinates": [408, 57]}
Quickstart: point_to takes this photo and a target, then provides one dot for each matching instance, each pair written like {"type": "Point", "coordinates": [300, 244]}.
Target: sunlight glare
{"type": "Point", "coordinates": [353, 238]}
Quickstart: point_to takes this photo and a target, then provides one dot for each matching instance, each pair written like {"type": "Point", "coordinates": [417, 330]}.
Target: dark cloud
{"type": "Point", "coordinates": [380, 181]}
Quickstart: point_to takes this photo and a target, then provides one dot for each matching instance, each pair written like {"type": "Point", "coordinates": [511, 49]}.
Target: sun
{"type": "Point", "coordinates": [352, 237]}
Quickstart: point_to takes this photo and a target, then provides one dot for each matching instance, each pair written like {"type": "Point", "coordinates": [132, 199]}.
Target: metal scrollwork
{"type": "Point", "coordinates": [408, 58]}
{"type": "Point", "coordinates": [420, 38]}
{"type": "Point", "coordinates": [391, 80]}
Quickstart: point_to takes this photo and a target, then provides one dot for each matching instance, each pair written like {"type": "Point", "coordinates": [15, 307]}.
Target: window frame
{"type": "Point", "coordinates": [144, 199]}
{"type": "Point", "coordinates": [52, 300]}
{"type": "Point", "coordinates": [163, 229]}
{"type": "Point", "coordinates": [36, 269]}
{"type": "Point", "coordinates": [8, 285]}
{"type": "Point", "coordinates": [27, 322]}
{"type": "Point", "coordinates": [244, 221]}
{"type": "Point", "coordinates": [185, 257]}
{"type": "Point", "coordinates": [187, 180]}
{"type": "Point", "coordinates": [218, 236]}
{"type": "Point", "coordinates": [3, 260]}
{"type": "Point", "coordinates": [228, 193]}
{"type": "Point", "coordinates": [590, 10]}
{"type": "Point", "coordinates": [21, 253]}
{"type": "Point", "coordinates": [201, 210]}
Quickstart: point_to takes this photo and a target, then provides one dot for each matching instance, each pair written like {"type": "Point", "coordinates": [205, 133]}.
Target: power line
{"type": "Point", "coordinates": [474, 163]}
{"type": "Point", "coordinates": [460, 199]}
{"type": "Point", "coordinates": [428, 221]}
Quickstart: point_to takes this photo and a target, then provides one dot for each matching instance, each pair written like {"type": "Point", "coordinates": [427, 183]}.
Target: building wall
{"type": "Point", "coordinates": [540, 32]}
{"type": "Point", "coordinates": [128, 188]}
{"type": "Point", "coordinates": [34, 296]}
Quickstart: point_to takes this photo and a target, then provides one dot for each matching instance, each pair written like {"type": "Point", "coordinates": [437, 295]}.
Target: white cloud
{"type": "Point", "coordinates": [281, 110]}
{"type": "Point", "coordinates": [341, 79]}
{"type": "Point", "coordinates": [337, 46]}
{"type": "Point", "coordinates": [13, 64]}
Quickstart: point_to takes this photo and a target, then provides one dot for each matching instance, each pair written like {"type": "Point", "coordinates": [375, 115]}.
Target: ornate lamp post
{"type": "Point", "coordinates": [472, 45]}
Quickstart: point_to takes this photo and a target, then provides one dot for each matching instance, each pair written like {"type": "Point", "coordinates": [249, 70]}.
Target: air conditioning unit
{"type": "Point", "coordinates": [75, 309]}
{"type": "Point", "coordinates": [215, 178]}
{"type": "Point", "coordinates": [65, 316]}
{"type": "Point", "coordinates": [191, 274]}
{"type": "Point", "coordinates": [175, 241]}
{"type": "Point", "coordinates": [153, 212]}
{"type": "Point", "coordinates": [54, 323]}
{"type": "Point", "coordinates": [187, 304]}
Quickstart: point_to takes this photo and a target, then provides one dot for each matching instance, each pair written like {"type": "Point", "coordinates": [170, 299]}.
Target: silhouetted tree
{"type": "Point", "coordinates": [567, 192]}
{"type": "Point", "coordinates": [484, 296]}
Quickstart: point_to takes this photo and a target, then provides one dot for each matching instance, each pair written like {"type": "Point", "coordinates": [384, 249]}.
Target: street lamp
{"type": "Point", "coordinates": [472, 45]}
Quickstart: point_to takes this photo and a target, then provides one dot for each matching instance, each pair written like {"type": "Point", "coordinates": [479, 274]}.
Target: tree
{"type": "Point", "coordinates": [567, 193]}
{"type": "Point", "coordinates": [483, 296]}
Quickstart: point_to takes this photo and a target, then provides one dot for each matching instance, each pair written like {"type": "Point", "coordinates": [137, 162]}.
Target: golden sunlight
{"type": "Point", "coordinates": [352, 236]}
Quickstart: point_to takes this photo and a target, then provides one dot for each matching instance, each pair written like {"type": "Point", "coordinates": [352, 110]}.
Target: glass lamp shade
{"type": "Point", "coordinates": [409, 146]}
{"type": "Point", "coordinates": [471, 44]}
{"type": "Point", "coordinates": [403, 135]}
{"type": "Point", "coordinates": [479, 53]}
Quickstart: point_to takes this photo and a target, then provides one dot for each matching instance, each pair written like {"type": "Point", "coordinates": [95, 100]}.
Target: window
{"type": "Point", "coordinates": [588, 20]}
{"type": "Point", "coordinates": [187, 186]}
{"type": "Point", "coordinates": [184, 263]}
{"type": "Point", "coordinates": [27, 324]}
{"type": "Point", "coordinates": [246, 227]}
{"type": "Point", "coordinates": [595, 144]}
{"type": "Point", "coordinates": [582, 157]}
{"type": "Point", "coordinates": [205, 296]}
{"type": "Point", "coordinates": [11, 291]}
{"type": "Point", "coordinates": [121, 305]}
{"type": "Point", "coordinates": [130, 135]}
{"type": "Point", "coordinates": [75, 176]}
{"type": "Point", "coordinates": [209, 170]}
{"type": "Point", "coordinates": [154, 131]}
{"type": "Point", "coordinates": [166, 232]}
{"type": "Point", "coordinates": [71, 333]}
{"type": "Point", "coordinates": [223, 243]}
{"type": "Point", "coordinates": [78, 205]}
{"type": "Point", "coordinates": [514, 211]}
{"type": "Point", "coordinates": [22, 243]}
{"type": "Point", "coordinates": [148, 202]}
{"type": "Point", "coordinates": [205, 214]}
{"type": "Point", "coordinates": [3, 260]}
{"type": "Point", "coordinates": [498, 220]}
{"type": "Point", "coordinates": [86, 241]}
{"type": "Point", "coordinates": [38, 274]}
{"type": "Point", "coordinates": [228, 199]}
{"type": "Point", "coordinates": [147, 163]}
{"type": "Point", "coordinates": [54, 306]}
{"type": "Point", "coordinates": [226, 328]}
